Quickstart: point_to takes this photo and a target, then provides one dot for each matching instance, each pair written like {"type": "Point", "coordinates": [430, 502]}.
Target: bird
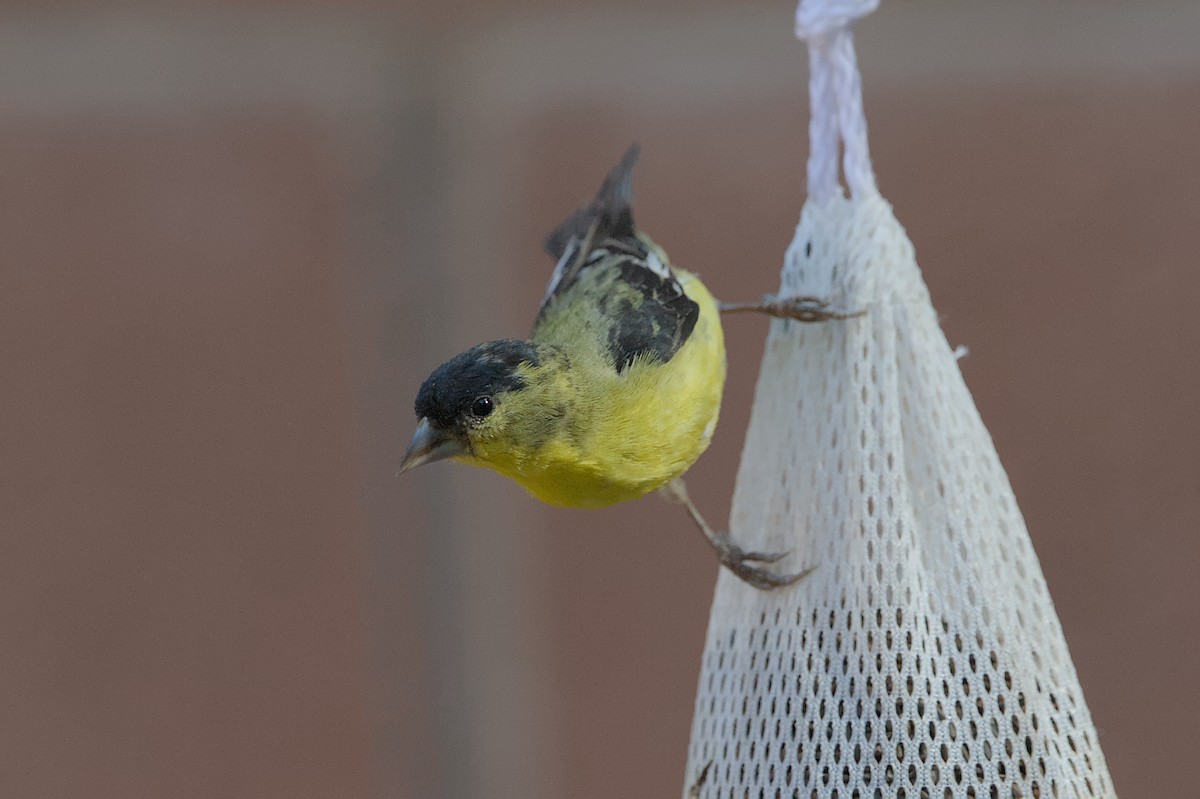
{"type": "Point", "coordinates": [616, 392]}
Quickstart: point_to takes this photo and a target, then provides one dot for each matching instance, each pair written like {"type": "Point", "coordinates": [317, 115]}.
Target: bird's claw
{"type": "Point", "coordinates": [730, 554]}
{"type": "Point", "coordinates": [803, 309]}
{"type": "Point", "coordinates": [762, 557]}
{"type": "Point", "coordinates": [739, 562]}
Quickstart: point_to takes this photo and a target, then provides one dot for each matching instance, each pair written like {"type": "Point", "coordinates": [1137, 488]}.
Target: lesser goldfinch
{"type": "Point", "coordinates": [616, 392]}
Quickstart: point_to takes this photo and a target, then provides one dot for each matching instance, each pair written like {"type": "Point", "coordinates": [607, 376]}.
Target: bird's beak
{"type": "Point", "coordinates": [428, 445]}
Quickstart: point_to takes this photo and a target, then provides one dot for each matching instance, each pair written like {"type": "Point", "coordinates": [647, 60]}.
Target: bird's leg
{"type": "Point", "coordinates": [803, 309]}
{"type": "Point", "coordinates": [731, 555]}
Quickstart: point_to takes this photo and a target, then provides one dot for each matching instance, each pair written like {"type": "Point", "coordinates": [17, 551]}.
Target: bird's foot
{"type": "Point", "coordinates": [803, 309]}
{"type": "Point", "coordinates": [740, 563]}
{"type": "Point", "coordinates": [730, 554]}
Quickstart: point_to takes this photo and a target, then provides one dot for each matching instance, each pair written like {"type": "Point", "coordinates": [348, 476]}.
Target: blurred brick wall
{"type": "Point", "coordinates": [180, 612]}
{"type": "Point", "coordinates": [234, 241]}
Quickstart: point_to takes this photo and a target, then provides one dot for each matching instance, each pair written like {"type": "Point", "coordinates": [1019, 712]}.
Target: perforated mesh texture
{"type": "Point", "coordinates": [922, 657]}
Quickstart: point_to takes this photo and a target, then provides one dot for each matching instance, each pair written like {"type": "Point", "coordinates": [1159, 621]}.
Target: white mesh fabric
{"type": "Point", "coordinates": [922, 657]}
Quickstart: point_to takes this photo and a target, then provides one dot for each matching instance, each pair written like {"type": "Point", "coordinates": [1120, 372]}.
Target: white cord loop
{"type": "Point", "coordinates": [835, 94]}
{"type": "Point", "coordinates": [815, 18]}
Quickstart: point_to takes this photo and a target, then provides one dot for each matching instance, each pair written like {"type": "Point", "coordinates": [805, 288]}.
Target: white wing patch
{"type": "Point", "coordinates": [655, 265]}
{"type": "Point", "coordinates": [560, 269]}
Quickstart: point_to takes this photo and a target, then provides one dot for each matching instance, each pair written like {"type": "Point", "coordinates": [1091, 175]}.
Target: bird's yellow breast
{"type": "Point", "coordinates": [627, 432]}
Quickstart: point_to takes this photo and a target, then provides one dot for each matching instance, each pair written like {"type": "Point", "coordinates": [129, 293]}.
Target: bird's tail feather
{"type": "Point", "coordinates": [611, 211]}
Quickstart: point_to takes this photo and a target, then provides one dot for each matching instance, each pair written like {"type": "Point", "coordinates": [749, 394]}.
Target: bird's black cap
{"type": "Point", "coordinates": [488, 369]}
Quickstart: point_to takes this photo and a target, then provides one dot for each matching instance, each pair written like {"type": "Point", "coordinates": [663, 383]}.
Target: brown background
{"type": "Point", "coordinates": [233, 240]}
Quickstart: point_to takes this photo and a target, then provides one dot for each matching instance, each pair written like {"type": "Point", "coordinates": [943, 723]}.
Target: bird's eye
{"type": "Point", "coordinates": [482, 406]}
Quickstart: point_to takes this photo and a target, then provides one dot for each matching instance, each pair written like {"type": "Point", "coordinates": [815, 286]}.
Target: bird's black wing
{"type": "Point", "coordinates": [636, 297]}
{"type": "Point", "coordinates": [649, 315]}
{"type": "Point", "coordinates": [608, 216]}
